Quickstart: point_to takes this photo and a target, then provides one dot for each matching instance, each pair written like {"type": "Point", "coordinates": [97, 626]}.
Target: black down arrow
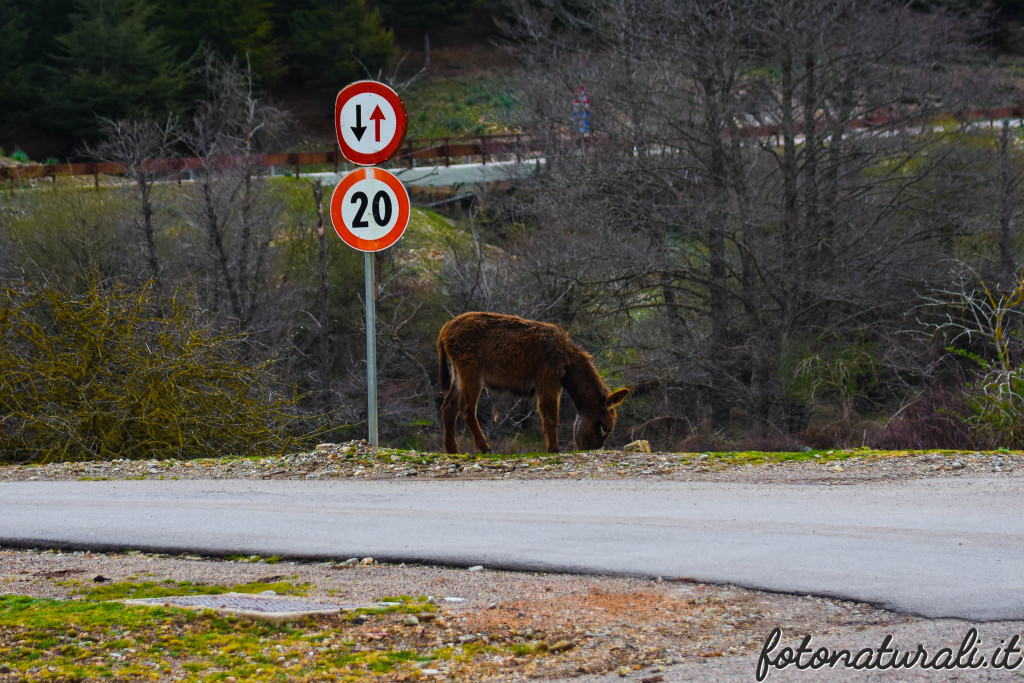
{"type": "Point", "coordinates": [359, 128]}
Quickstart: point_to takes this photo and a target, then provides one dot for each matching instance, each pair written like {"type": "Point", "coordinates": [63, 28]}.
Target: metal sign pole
{"type": "Point", "coordinates": [360, 108]}
{"type": "Point", "coordinates": [371, 348]}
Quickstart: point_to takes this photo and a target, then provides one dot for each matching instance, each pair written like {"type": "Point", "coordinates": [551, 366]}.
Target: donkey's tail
{"type": "Point", "coordinates": [442, 366]}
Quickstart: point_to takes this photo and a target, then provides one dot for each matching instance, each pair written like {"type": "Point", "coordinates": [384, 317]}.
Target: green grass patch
{"type": "Point", "coordinates": [475, 105]}
{"type": "Point", "coordinates": [407, 604]}
{"type": "Point", "coordinates": [742, 458]}
{"type": "Point", "coordinates": [80, 640]}
{"type": "Point", "coordinates": [129, 590]}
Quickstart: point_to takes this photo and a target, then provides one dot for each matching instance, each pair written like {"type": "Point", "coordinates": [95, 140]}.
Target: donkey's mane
{"type": "Point", "coordinates": [582, 381]}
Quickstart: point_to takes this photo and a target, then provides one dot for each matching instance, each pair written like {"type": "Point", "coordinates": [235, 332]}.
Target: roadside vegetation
{"type": "Point", "coordinates": [460, 106]}
{"type": "Point", "coordinates": [99, 375]}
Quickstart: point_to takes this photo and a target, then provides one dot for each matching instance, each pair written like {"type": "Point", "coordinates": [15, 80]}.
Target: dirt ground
{"type": "Point", "coordinates": [584, 627]}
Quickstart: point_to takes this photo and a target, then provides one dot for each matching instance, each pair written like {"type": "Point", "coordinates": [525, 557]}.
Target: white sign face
{"type": "Point", "coordinates": [370, 122]}
{"type": "Point", "coordinates": [370, 209]}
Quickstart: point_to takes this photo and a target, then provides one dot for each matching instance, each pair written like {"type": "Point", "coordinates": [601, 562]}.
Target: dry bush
{"type": "Point", "coordinates": [934, 420]}
{"type": "Point", "coordinates": [767, 438]}
{"type": "Point", "coordinates": [95, 374]}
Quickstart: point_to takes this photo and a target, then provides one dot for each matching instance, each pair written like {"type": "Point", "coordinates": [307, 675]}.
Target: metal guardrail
{"type": "Point", "coordinates": [483, 147]}
{"type": "Point", "coordinates": [880, 119]}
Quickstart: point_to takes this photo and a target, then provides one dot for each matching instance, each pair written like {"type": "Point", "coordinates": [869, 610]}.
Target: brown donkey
{"type": "Point", "coordinates": [518, 356]}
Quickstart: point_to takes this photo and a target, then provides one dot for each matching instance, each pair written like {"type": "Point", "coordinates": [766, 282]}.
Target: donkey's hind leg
{"type": "Point", "coordinates": [449, 414]}
{"type": "Point", "coordinates": [470, 388]}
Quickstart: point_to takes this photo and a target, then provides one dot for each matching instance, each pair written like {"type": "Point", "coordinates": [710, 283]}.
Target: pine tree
{"type": "Point", "coordinates": [113, 63]}
{"type": "Point", "coordinates": [234, 29]}
{"type": "Point", "coordinates": [15, 77]}
{"type": "Point", "coordinates": [332, 43]}
{"type": "Point", "coordinates": [427, 15]}
{"type": "Point", "coordinates": [27, 29]}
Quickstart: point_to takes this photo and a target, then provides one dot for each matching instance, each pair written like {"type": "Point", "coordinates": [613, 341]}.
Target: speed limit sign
{"type": "Point", "coordinates": [370, 209]}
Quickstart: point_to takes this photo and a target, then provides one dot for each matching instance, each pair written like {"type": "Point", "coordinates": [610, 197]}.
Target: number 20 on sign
{"type": "Point", "coordinates": [370, 209]}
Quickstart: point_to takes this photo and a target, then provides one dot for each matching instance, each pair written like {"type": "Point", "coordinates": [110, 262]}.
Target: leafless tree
{"type": "Point", "coordinates": [322, 317]}
{"type": "Point", "coordinates": [1011, 178]}
{"type": "Point", "coordinates": [228, 132]}
{"type": "Point", "coordinates": [753, 184]}
{"type": "Point", "coordinates": [143, 148]}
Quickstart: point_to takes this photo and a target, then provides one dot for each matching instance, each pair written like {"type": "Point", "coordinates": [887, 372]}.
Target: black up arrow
{"type": "Point", "coordinates": [359, 128]}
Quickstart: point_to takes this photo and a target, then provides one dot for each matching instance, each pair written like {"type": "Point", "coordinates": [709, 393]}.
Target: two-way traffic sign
{"type": "Point", "coordinates": [370, 207]}
{"type": "Point", "coordinates": [370, 121]}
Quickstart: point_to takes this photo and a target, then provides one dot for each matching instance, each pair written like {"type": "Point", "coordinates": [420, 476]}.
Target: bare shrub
{"type": "Point", "coordinates": [936, 419]}
{"type": "Point", "coordinates": [96, 375]}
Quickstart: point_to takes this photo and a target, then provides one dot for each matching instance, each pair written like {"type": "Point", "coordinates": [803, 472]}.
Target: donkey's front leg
{"type": "Point", "coordinates": [547, 406]}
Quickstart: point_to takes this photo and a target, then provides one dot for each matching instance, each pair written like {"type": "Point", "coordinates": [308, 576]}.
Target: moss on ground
{"type": "Point", "coordinates": [93, 638]}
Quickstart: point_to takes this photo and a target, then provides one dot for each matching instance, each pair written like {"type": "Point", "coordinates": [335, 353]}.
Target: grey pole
{"type": "Point", "coordinates": [371, 348]}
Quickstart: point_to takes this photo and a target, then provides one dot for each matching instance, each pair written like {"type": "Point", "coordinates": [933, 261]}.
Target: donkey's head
{"type": "Point", "coordinates": [593, 426]}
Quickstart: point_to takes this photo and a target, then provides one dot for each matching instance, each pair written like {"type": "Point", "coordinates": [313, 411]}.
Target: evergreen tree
{"type": "Point", "coordinates": [113, 63]}
{"type": "Point", "coordinates": [15, 79]}
{"type": "Point", "coordinates": [427, 15]}
{"type": "Point", "coordinates": [27, 29]}
{"type": "Point", "coordinates": [333, 42]}
{"type": "Point", "coordinates": [242, 29]}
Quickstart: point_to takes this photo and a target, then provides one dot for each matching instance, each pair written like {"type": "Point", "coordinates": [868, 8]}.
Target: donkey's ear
{"type": "Point", "coordinates": [616, 398]}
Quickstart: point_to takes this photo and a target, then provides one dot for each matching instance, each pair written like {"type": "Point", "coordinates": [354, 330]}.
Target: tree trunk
{"type": "Point", "coordinates": [325, 374]}
{"type": "Point", "coordinates": [1008, 182]}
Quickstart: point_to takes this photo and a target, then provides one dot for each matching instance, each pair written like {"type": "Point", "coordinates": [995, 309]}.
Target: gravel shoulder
{"type": "Point", "coordinates": [357, 460]}
{"type": "Point", "coordinates": [584, 628]}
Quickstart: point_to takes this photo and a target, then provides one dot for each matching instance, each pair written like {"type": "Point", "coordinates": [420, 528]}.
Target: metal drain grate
{"type": "Point", "coordinates": [273, 608]}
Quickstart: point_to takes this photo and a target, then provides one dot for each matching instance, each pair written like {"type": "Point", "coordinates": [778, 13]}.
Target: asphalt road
{"type": "Point", "coordinates": [929, 547]}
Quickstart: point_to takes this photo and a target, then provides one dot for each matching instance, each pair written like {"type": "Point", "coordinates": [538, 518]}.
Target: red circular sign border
{"type": "Point", "coordinates": [404, 209]}
{"type": "Point", "coordinates": [401, 124]}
